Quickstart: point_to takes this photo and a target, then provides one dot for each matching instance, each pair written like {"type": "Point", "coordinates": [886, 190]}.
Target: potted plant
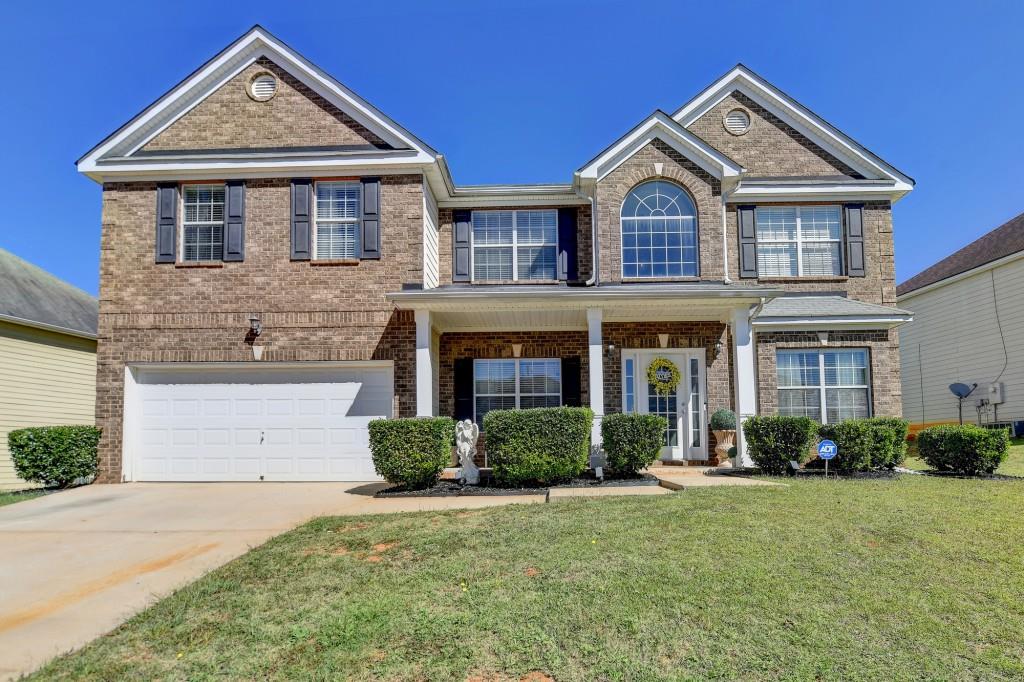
{"type": "Point", "coordinates": [723, 424]}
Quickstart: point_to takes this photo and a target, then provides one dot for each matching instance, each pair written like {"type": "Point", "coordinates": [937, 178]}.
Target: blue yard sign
{"type": "Point", "coordinates": [827, 450]}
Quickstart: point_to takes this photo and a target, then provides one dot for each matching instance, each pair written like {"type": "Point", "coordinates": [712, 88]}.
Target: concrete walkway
{"type": "Point", "coordinates": [680, 477]}
{"type": "Point", "coordinates": [76, 564]}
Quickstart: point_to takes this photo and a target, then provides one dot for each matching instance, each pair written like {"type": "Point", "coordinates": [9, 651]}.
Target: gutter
{"type": "Point", "coordinates": [47, 327]}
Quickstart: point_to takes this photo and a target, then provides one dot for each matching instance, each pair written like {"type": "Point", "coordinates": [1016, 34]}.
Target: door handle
{"type": "Point", "coordinates": [261, 438]}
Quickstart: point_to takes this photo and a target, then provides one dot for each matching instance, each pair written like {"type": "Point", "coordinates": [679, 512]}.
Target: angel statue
{"type": "Point", "coordinates": [466, 433]}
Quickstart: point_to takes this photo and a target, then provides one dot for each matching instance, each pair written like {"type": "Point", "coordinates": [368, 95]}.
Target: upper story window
{"type": "Point", "coordinates": [337, 220]}
{"type": "Point", "coordinates": [828, 386]}
{"type": "Point", "coordinates": [202, 237]}
{"type": "Point", "coordinates": [515, 245]}
{"type": "Point", "coordinates": [659, 232]}
{"type": "Point", "coordinates": [799, 241]}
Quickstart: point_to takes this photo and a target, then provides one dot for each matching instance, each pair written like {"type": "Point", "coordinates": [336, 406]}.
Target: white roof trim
{"type": "Point", "coordinates": [68, 331]}
{"type": "Point", "coordinates": [817, 129]}
{"type": "Point", "coordinates": [256, 43]}
{"type": "Point", "coordinates": [825, 191]}
{"type": "Point", "coordinates": [851, 322]}
{"type": "Point", "coordinates": [660, 126]}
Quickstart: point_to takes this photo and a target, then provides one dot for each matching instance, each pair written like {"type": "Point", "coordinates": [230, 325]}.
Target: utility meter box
{"type": "Point", "coordinates": [989, 394]}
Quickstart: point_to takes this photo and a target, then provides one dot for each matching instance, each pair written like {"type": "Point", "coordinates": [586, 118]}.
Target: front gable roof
{"type": "Point", "coordinates": [660, 125]}
{"type": "Point", "coordinates": [120, 150]}
{"type": "Point", "coordinates": [815, 128]}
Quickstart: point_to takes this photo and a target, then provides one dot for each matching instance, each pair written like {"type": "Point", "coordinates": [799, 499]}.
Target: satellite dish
{"type": "Point", "coordinates": [961, 391]}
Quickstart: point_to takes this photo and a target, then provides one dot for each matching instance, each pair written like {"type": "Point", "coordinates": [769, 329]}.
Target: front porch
{"type": "Point", "coordinates": [481, 348]}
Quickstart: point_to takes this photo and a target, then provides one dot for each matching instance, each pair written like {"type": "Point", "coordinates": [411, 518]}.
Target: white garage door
{"type": "Point", "coordinates": [272, 424]}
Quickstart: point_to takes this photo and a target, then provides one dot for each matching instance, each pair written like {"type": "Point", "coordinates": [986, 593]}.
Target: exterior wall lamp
{"type": "Point", "coordinates": [255, 326]}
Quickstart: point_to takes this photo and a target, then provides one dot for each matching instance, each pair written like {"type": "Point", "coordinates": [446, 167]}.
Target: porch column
{"type": "Point", "coordinates": [746, 376]}
{"type": "Point", "coordinates": [596, 363]}
{"type": "Point", "coordinates": [424, 366]}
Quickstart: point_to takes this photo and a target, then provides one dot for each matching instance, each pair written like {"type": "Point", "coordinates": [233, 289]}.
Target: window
{"type": "Point", "coordinates": [659, 232]}
{"type": "Point", "coordinates": [512, 384]}
{"type": "Point", "coordinates": [515, 245]}
{"type": "Point", "coordinates": [828, 386]}
{"type": "Point", "coordinates": [202, 236]}
{"type": "Point", "coordinates": [337, 220]}
{"type": "Point", "coordinates": [799, 241]}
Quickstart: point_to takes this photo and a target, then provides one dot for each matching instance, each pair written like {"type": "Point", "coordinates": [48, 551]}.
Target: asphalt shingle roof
{"type": "Point", "coordinates": [32, 294]}
{"type": "Point", "coordinates": [1005, 240]}
{"type": "Point", "coordinates": [824, 306]}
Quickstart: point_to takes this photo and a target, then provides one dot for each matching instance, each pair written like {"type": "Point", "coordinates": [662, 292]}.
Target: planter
{"type": "Point", "coordinates": [725, 440]}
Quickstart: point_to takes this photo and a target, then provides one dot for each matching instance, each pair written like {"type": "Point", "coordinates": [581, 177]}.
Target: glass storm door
{"type": "Point", "coordinates": [683, 407]}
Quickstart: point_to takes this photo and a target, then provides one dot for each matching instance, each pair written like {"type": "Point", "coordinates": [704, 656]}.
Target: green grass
{"type": "Point", "coordinates": [20, 496]}
{"type": "Point", "coordinates": [916, 578]}
{"type": "Point", "coordinates": [1013, 465]}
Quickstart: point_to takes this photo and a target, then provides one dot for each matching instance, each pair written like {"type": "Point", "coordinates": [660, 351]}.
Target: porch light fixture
{"type": "Point", "coordinates": [255, 326]}
{"type": "Point", "coordinates": [517, 350]}
{"type": "Point", "coordinates": [663, 340]}
{"type": "Point", "coordinates": [719, 347]}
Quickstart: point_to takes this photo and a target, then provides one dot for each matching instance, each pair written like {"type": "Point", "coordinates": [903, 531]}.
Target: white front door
{"type": "Point", "coordinates": [684, 408]}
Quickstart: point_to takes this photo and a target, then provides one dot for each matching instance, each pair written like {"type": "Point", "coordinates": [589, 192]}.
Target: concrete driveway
{"type": "Point", "coordinates": [75, 564]}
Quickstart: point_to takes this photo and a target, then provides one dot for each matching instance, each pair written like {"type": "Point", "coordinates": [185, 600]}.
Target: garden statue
{"type": "Point", "coordinates": [466, 433]}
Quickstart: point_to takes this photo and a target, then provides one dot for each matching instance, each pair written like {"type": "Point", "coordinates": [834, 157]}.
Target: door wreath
{"type": "Point", "coordinates": [663, 375]}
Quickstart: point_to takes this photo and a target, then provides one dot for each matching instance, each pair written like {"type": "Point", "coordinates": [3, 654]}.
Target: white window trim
{"type": "Point", "coordinates": [822, 386]}
{"type": "Point", "coordinates": [182, 223]}
{"type": "Point", "coordinates": [800, 241]}
{"type": "Point", "coordinates": [514, 245]}
{"type": "Point", "coordinates": [518, 393]}
{"type": "Point", "coordinates": [344, 221]}
{"type": "Point", "coordinates": [696, 232]}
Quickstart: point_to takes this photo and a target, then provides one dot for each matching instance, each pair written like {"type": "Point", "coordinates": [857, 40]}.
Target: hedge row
{"type": "Point", "coordinates": [412, 453]}
{"type": "Point", "coordinates": [970, 450]}
{"type": "Point", "coordinates": [541, 446]}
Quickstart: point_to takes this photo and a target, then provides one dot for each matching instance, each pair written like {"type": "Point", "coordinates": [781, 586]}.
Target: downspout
{"type": "Point", "coordinates": [594, 244]}
{"type": "Point", "coordinates": [725, 242]}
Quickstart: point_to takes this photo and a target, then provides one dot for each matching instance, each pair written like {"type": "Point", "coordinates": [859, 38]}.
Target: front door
{"type": "Point", "coordinates": [683, 407]}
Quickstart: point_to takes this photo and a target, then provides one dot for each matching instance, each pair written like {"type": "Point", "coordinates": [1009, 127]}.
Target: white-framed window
{"type": "Point", "coordinates": [515, 384]}
{"type": "Point", "coordinates": [828, 386]}
{"type": "Point", "coordinates": [337, 220]}
{"type": "Point", "coordinates": [202, 224]}
{"type": "Point", "coordinates": [659, 232]}
{"type": "Point", "coordinates": [515, 245]}
{"type": "Point", "coordinates": [799, 241]}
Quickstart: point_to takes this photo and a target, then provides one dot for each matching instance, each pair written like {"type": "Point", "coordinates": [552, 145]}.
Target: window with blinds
{"type": "Point", "coordinates": [799, 241]}
{"type": "Point", "coordinates": [827, 386]}
{"type": "Point", "coordinates": [202, 238]}
{"type": "Point", "coordinates": [515, 245]}
{"type": "Point", "coordinates": [515, 384]}
{"type": "Point", "coordinates": [337, 220]}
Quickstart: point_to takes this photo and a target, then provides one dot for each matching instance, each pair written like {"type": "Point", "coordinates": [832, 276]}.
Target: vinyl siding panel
{"type": "Point", "coordinates": [955, 338]}
{"type": "Point", "coordinates": [45, 379]}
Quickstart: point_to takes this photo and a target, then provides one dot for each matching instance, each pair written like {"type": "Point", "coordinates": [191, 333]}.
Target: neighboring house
{"type": "Point", "coordinates": [968, 328]}
{"type": "Point", "coordinates": [47, 354]}
{"type": "Point", "coordinates": [742, 237]}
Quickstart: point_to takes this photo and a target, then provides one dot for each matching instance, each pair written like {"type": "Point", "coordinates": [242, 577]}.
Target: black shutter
{"type": "Point", "coordinates": [572, 393]}
{"type": "Point", "coordinates": [234, 220]}
{"type": "Point", "coordinates": [462, 243]}
{"type": "Point", "coordinates": [567, 270]}
{"type": "Point", "coordinates": [854, 220]}
{"type": "Point", "coordinates": [302, 218]}
{"type": "Point", "coordinates": [463, 388]}
{"type": "Point", "coordinates": [166, 222]}
{"type": "Point", "coordinates": [369, 223]}
{"type": "Point", "coordinates": [747, 218]}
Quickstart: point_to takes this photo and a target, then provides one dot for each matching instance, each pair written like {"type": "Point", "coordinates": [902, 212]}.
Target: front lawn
{"type": "Point", "coordinates": [1013, 465]}
{"type": "Point", "coordinates": [19, 496]}
{"type": "Point", "coordinates": [916, 578]}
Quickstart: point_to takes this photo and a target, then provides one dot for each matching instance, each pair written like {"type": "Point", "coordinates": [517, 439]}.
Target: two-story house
{"type": "Point", "coordinates": [282, 262]}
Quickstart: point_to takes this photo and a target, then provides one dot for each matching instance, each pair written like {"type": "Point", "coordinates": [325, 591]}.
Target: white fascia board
{"type": "Point", "coordinates": [57, 329]}
{"type": "Point", "coordinates": [984, 267]}
{"type": "Point", "coordinates": [768, 192]}
{"type": "Point", "coordinates": [795, 114]}
{"type": "Point", "coordinates": [255, 44]}
{"type": "Point", "coordinates": [847, 322]}
{"type": "Point", "coordinates": [661, 126]}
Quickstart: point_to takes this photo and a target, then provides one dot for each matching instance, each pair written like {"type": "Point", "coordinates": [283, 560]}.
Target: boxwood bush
{"type": "Point", "coordinates": [968, 449]}
{"type": "Point", "coordinates": [863, 444]}
{"type": "Point", "coordinates": [723, 420]}
{"type": "Point", "coordinates": [900, 427]}
{"type": "Point", "coordinates": [55, 455]}
{"type": "Point", "coordinates": [632, 441]}
{"type": "Point", "coordinates": [412, 452]}
{"type": "Point", "coordinates": [539, 446]}
{"type": "Point", "coordinates": [774, 440]}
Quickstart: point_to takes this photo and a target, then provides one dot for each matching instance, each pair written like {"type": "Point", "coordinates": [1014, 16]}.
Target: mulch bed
{"type": "Point", "coordinates": [979, 477]}
{"type": "Point", "coordinates": [488, 487]}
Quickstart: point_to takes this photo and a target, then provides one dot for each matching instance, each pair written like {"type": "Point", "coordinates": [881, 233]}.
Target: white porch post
{"type": "Point", "coordinates": [746, 377]}
{"type": "Point", "coordinates": [596, 363]}
{"type": "Point", "coordinates": [424, 366]}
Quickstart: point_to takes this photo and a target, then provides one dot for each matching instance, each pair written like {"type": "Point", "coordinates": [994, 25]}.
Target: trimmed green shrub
{"type": "Point", "coordinates": [55, 455]}
{"type": "Point", "coordinates": [723, 420]}
{"type": "Point", "coordinates": [632, 441]}
{"type": "Point", "coordinates": [900, 427]}
{"type": "Point", "coordinates": [412, 452]}
{"type": "Point", "coordinates": [862, 444]}
{"type": "Point", "coordinates": [774, 440]}
{"type": "Point", "coordinates": [968, 449]}
{"type": "Point", "coordinates": [539, 446]}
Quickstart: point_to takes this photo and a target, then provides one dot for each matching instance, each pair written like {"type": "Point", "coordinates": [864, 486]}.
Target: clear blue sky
{"type": "Point", "coordinates": [528, 91]}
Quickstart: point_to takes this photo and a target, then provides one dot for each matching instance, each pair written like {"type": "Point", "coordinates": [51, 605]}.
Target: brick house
{"type": "Point", "coordinates": [282, 262]}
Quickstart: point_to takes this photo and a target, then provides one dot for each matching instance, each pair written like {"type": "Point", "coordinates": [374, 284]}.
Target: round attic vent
{"type": "Point", "coordinates": [262, 87]}
{"type": "Point", "coordinates": [737, 121]}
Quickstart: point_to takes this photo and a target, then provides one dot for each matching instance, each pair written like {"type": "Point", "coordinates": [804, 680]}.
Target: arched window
{"type": "Point", "coordinates": [659, 231]}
